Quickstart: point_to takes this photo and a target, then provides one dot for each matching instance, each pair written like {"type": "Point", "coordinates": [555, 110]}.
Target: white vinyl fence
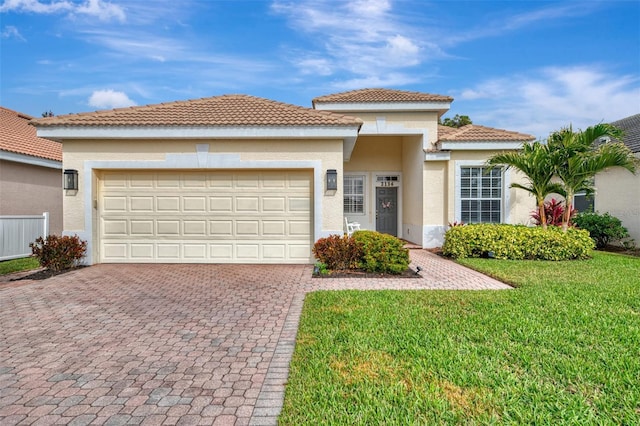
{"type": "Point", "coordinates": [16, 232]}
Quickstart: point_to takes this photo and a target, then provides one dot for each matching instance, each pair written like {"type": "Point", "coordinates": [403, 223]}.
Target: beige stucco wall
{"type": "Point", "coordinates": [27, 189]}
{"type": "Point", "coordinates": [381, 153]}
{"type": "Point", "coordinates": [413, 188]}
{"type": "Point", "coordinates": [618, 193]}
{"type": "Point", "coordinates": [409, 120]}
{"type": "Point", "coordinates": [77, 152]}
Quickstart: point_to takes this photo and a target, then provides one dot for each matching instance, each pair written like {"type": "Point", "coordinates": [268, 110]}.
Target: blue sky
{"type": "Point", "coordinates": [530, 66]}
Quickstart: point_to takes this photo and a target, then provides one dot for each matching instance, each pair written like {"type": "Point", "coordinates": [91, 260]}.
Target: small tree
{"type": "Point", "coordinates": [457, 121]}
{"type": "Point", "coordinates": [534, 162]}
{"type": "Point", "coordinates": [576, 159]}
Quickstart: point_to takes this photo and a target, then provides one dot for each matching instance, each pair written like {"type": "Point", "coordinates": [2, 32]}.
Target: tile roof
{"type": "Point", "coordinates": [17, 136]}
{"type": "Point", "coordinates": [218, 111]}
{"type": "Point", "coordinates": [476, 133]}
{"type": "Point", "coordinates": [631, 128]}
{"type": "Point", "coordinates": [380, 96]}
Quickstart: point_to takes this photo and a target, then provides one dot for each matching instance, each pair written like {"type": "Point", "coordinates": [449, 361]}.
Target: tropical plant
{"type": "Point", "coordinates": [577, 159]}
{"type": "Point", "coordinates": [603, 228]}
{"type": "Point", "coordinates": [554, 211]}
{"type": "Point", "coordinates": [534, 161]}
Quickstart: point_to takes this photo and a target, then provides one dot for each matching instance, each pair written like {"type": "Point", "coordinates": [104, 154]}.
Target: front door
{"type": "Point", "coordinates": [387, 210]}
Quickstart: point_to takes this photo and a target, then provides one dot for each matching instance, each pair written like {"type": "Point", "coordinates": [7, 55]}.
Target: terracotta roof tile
{"type": "Point", "coordinates": [17, 136]}
{"type": "Point", "coordinates": [218, 111]}
{"type": "Point", "coordinates": [476, 133]}
{"type": "Point", "coordinates": [380, 96]}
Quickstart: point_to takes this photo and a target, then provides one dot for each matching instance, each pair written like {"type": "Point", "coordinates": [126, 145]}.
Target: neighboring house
{"type": "Point", "coordinates": [242, 179]}
{"type": "Point", "coordinates": [618, 190]}
{"type": "Point", "coordinates": [30, 171]}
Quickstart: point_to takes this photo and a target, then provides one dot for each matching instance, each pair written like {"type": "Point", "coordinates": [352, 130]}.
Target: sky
{"type": "Point", "coordinates": [528, 66]}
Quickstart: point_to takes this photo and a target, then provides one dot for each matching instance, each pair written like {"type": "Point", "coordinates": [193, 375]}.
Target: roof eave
{"type": "Point", "coordinates": [63, 132]}
{"type": "Point", "coordinates": [488, 145]}
{"type": "Point", "coordinates": [440, 107]}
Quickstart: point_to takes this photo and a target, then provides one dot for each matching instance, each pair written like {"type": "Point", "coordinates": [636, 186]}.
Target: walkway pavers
{"type": "Point", "coordinates": [167, 344]}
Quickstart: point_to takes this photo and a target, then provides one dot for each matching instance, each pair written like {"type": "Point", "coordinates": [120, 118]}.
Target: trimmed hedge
{"type": "Point", "coordinates": [382, 252]}
{"type": "Point", "coordinates": [516, 242]}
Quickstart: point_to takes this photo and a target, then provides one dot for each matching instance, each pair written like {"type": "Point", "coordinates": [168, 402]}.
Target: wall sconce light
{"type": "Point", "coordinates": [70, 181]}
{"type": "Point", "coordinates": [332, 180]}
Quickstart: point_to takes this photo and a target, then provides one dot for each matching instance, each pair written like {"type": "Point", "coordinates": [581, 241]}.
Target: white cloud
{"type": "Point", "coordinates": [104, 11]}
{"type": "Point", "coordinates": [107, 99]}
{"type": "Point", "coordinates": [551, 98]}
{"type": "Point", "coordinates": [371, 43]}
{"type": "Point", "coordinates": [12, 32]}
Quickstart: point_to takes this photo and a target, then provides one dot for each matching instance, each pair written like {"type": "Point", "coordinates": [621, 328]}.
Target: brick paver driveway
{"type": "Point", "coordinates": [165, 344]}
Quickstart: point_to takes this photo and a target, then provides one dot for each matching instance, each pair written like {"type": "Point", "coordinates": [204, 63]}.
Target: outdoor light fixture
{"type": "Point", "coordinates": [70, 181]}
{"type": "Point", "coordinates": [332, 180]}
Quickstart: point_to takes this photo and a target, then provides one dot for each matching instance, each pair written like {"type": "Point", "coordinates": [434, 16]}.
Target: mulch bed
{"type": "Point", "coordinates": [621, 250]}
{"type": "Point", "coordinates": [409, 273]}
{"type": "Point", "coordinates": [43, 274]}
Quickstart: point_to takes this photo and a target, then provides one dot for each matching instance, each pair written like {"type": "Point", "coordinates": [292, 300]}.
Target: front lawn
{"type": "Point", "coordinates": [17, 265]}
{"type": "Point", "coordinates": [562, 348]}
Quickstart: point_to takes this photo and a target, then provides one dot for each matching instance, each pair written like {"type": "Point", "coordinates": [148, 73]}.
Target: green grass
{"type": "Point", "coordinates": [17, 265]}
{"type": "Point", "coordinates": [562, 348]}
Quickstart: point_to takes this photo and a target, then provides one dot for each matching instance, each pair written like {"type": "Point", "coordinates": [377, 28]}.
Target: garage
{"type": "Point", "coordinates": [212, 216]}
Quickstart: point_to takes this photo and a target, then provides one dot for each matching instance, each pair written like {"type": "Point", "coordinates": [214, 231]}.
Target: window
{"type": "Point", "coordinates": [583, 202]}
{"type": "Point", "coordinates": [480, 195]}
{"type": "Point", "coordinates": [354, 195]}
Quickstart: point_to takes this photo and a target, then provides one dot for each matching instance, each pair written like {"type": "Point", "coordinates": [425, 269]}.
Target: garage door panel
{"type": "Point", "coordinates": [141, 227]}
{"type": "Point", "coordinates": [274, 227]}
{"type": "Point", "coordinates": [168, 204]}
{"type": "Point", "coordinates": [115, 204]}
{"type": "Point", "coordinates": [167, 227]}
{"type": "Point", "coordinates": [142, 251]}
{"type": "Point", "coordinates": [194, 204]}
{"type": "Point", "coordinates": [213, 216]}
{"type": "Point", "coordinates": [195, 227]}
{"type": "Point", "coordinates": [299, 204]}
{"type": "Point", "coordinates": [141, 204]}
{"type": "Point", "coordinates": [221, 204]}
{"type": "Point", "coordinates": [248, 204]}
{"type": "Point", "coordinates": [115, 227]}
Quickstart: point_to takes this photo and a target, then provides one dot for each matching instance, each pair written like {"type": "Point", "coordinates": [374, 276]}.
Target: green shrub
{"type": "Point", "coordinates": [338, 252]}
{"type": "Point", "coordinates": [603, 228]}
{"type": "Point", "coordinates": [516, 242]}
{"type": "Point", "coordinates": [382, 252]}
{"type": "Point", "coordinates": [58, 253]}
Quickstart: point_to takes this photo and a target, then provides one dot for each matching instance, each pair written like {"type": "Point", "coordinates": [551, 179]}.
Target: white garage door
{"type": "Point", "coordinates": [205, 217]}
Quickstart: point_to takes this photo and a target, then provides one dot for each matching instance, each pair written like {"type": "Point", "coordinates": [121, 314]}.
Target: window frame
{"type": "Point", "coordinates": [345, 194]}
{"type": "Point", "coordinates": [505, 190]}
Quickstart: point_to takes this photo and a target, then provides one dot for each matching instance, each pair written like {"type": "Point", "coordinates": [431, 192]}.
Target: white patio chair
{"type": "Point", "coordinates": [351, 226]}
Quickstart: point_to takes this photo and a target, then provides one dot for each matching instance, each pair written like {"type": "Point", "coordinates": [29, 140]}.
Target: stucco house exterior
{"type": "Point", "coordinates": [30, 171]}
{"type": "Point", "coordinates": [241, 179]}
{"type": "Point", "coordinates": [617, 190]}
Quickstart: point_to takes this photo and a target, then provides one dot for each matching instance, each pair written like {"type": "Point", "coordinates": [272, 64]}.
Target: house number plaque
{"type": "Point", "coordinates": [387, 183]}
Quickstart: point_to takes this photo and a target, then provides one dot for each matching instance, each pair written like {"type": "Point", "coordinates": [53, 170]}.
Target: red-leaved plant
{"type": "Point", "coordinates": [554, 210]}
{"type": "Point", "coordinates": [58, 253]}
{"type": "Point", "coordinates": [338, 252]}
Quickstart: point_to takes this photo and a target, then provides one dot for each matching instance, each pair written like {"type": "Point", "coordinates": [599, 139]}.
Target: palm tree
{"type": "Point", "coordinates": [577, 159]}
{"type": "Point", "coordinates": [534, 161]}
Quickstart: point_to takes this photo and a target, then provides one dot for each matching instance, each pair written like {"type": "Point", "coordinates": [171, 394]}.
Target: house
{"type": "Point", "coordinates": [617, 190]}
{"type": "Point", "coordinates": [30, 171]}
{"type": "Point", "coordinates": [241, 179]}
